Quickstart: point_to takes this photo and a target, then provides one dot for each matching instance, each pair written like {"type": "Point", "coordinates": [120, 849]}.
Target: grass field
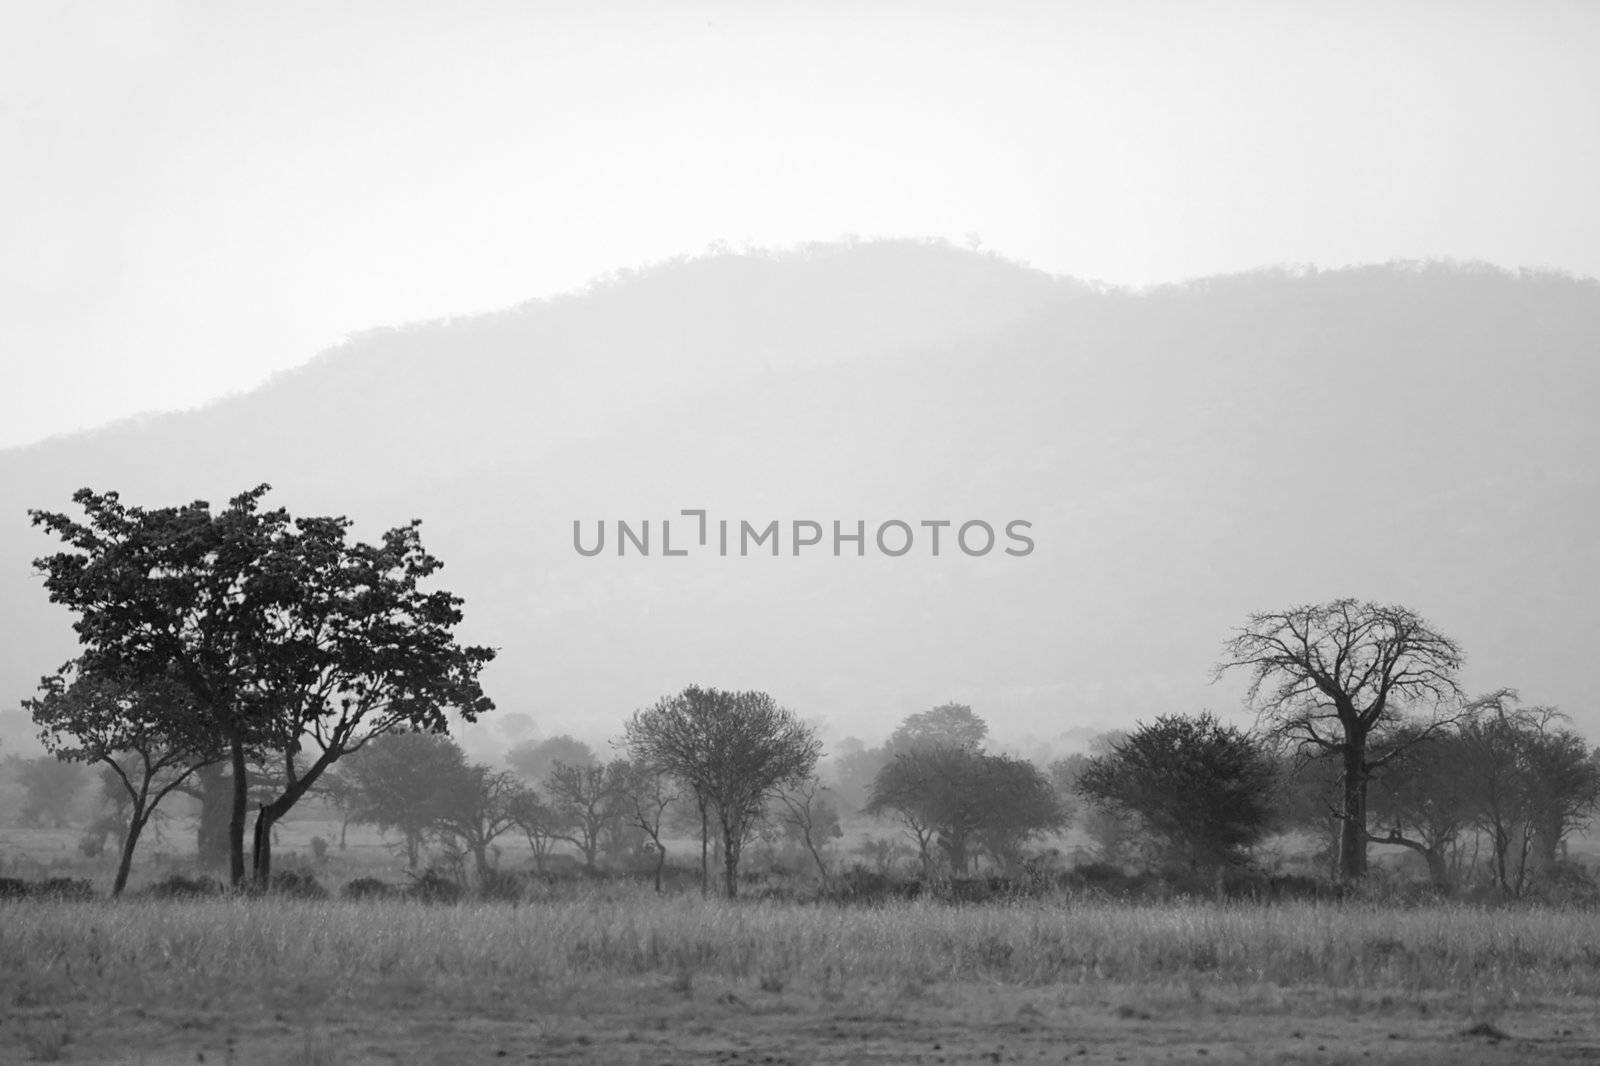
{"type": "Point", "coordinates": [622, 976]}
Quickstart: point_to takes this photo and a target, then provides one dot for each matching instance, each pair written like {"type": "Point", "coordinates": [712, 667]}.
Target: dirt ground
{"type": "Point", "coordinates": [685, 1022]}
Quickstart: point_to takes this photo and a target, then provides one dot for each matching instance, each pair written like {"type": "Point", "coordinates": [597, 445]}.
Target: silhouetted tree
{"type": "Point", "coordinates": [1329, 676]}
{"type": "Point", "coordinates": [648, 795]}
{"type": "Point", "coordinates": [1201, 790]}
{"type": "Point", "coordinates": [150, 739]}
{"type": "Point", "coordinates": [733, 750]}
{"type": "Point", "coordinates": [296, 644]}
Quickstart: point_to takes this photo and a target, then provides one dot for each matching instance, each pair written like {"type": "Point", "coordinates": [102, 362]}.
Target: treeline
{"type": "Point", "coordinates": [252, 659]}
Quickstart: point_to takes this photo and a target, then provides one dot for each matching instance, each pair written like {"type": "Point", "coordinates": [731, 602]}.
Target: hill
{"type": "Point", "coordinates": [1185, 455]}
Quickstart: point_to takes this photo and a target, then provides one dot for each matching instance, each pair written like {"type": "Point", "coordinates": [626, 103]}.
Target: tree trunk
{"type": "Point", "coordinates": [240, 810]}
{"type": "Point", "coordinates": [1353, 827]}
{"type": "Point", "coordinates": [730, 862]}
{"type": "Point", "coordinates": [129, 842]}
{"type": "Point", "coordinates": [261, 854]}
{"type": "Point", "coordinates": [661, 862]}
{"type": "Point", "coordinates": [216, 803]}
{"type": "Point", "coordinates": [705, 844]}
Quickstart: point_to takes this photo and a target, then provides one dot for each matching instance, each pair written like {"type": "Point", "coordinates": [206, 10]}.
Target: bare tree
{"type": "Point", "coordinates": [647, 796]}
{"type": "Point", "coordinates": [733, 750]}
{"type": "Point", "coordinates": [809, 816]}
{"type": "Point", "coordinates": [586, 801]}
{"type": "Point", "coordinates": [1328, 676]}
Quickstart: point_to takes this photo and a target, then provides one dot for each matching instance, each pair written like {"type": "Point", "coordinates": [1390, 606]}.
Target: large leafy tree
{"type": "Point", "coordinates": [733, 751]}
{"type": "Point", "coordinates": [296, 643]}
{"type": "Point", "coordinates": [1329, 676]}
{"type": "Point", "coordinates": [1200, 790]}
{"type": "Point", "coordinates": [148, 737]}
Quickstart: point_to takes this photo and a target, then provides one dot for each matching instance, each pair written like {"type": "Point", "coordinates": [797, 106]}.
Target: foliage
{"type": "Point", "coordinates": [51, 788]}
{"type": "Point", "coordinates": [535, 760]}
{"type": "Point", "coordinates": [398, 782]}
{"type": "Point", "coordinates": [587, 801]}
{"type": "Point", "coordinates": [961, 799]}
{"type": "Point", "coordinates": [949, 725]}
{"type": "Point", "coordinates": [1200, 790]}
{"type": "Point", "coordinates": [148, 737]}
{"type": "Point", "coordinates": [476, 805]}
{"type": "Point", "coordinates": [1328, 676]}
{"type": "Point", "coordinates": [733, 750]}
{"type": "Point", "coordinates": [288, 637]}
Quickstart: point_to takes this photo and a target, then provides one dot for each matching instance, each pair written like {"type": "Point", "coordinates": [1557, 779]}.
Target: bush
{"type": "Point", "coordinates": [368, 888]}
{"type": "Point", "coordinates": [297, 885]}
{"type": "Point", "coordinates": [178, 886]}
{"type": "Point", "coordinates": [431, 886]}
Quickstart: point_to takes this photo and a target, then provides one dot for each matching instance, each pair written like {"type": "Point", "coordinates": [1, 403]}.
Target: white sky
{"type": "Point", "coordinates": [195, 195]}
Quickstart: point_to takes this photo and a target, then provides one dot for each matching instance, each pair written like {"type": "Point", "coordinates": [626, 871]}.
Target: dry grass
{"type": "Point", "coordinates": [111, 952]}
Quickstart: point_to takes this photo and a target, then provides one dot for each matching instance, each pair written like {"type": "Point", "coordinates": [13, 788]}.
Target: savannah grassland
{"type": "Point", "coordinates": [619, 975]}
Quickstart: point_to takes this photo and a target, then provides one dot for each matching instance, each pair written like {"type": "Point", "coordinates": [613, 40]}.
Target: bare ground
{"type": "Point", "coordinates": [688, 1020]}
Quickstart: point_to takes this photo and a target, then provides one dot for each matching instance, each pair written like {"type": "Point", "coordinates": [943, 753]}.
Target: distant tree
{"type": "Point", "coordinates": [733, 751]}
{"type": "Point", "coordinates": [538, 822]}
{"type": "Point", "coordinates": [1329, 676]}
{"type": "Point", "coordinates": [477, 805]}
{"type": "Point", "coordinates": [849, 771]}
{"type": "Point", "coordinates": [949, 725]}
{"type": "Point", "coordinates": [149, 737]}
{"type": "Point", "coordinates": [401, 782]}
{"type": "Point", "coordinates": [50, 790]}
{"type": "Point", "coordinates": [807, 817]}
{"type": "Point", "coordinates": [648, 794]}
{"type": "Point", "coordinates": [534, 760]}
{"type": "Point", "coordinates": [1532, 781]}
{"type": "Point", "coordinates": [1422, 799]}
{"type": "Point", "coordinates": [962, 800]}
{"type": "Point", "coordinates": [1200, 790]}
{"type": "Point", "coordinates": [586, 801]}
{"type": "Point", "coordinates": [298, 645]}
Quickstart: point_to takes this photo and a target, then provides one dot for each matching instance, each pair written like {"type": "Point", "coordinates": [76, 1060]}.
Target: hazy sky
{"type": "Point", "coordinates": [195, 195]}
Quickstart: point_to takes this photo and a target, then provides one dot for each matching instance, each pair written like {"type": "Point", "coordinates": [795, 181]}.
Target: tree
{"type": "Point", "coordinates": [1200, 790]}
{"type": "Point", "coordinates": [399, 782]}
{"type": "Point", "coordinates": [476, 806]}
{"type": "Point", "coordinates": [1329, 676]}
{"type": "Point", "coordinates": [807, 816]}
{"type": "Point", "coordinates": [647, 796]}
{"type": "Point", "coordinates": [733, 750]}
{"type": "Point", "coordinates": [949, 725]}
{"type": "Point", "coordinates": [149, 738]}
{"type": "Point", "coordinates": [298, 645]}
{"type": "Point", "coordinates": [586, 800]}
{"type": "Point", "coordinates": [50, 789]}
{"type": "Point", "coordinates": [1532, 781]}
{"type": "Point", "coordinates": [537, 822]}
{"type": "Point", "coordinates": [534, 760]}
{"type": "Point", "coordinates": [1423, 798]}
{"type": "Point", "coordinates": [962, 800]}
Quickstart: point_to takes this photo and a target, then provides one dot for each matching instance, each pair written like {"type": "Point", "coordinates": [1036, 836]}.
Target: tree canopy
{"type": "Point", "coordinates": [297, 644]}
{"type": "Point", "coordinates": [1329, 675]}
{"type": "Point", "coordinates": [732, 750]}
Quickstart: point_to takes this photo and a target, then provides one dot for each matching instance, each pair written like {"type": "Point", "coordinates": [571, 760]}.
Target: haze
{"type": "Point", "coordinates": [195, 196]}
